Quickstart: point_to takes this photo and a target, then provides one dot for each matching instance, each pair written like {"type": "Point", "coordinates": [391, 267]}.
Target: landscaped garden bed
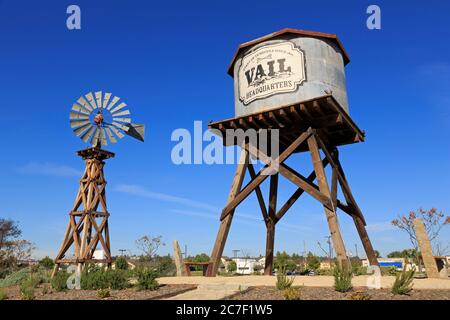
{"type": "Point", "coordinates": [328, 293]}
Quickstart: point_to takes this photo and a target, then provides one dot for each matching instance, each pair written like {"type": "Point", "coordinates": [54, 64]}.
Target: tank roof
{"type": "Point", "coordinates": [312, 34]}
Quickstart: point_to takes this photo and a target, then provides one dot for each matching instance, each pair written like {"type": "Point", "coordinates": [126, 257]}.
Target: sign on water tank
{"type": "Point", "coordinates": [271, 69]}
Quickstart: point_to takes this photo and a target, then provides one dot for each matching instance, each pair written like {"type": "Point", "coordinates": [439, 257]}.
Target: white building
{"type": "Point", "coordinates": [248, 265]}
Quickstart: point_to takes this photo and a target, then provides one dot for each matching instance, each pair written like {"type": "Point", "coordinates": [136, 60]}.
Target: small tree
{"type": "Point", "coordinates": [433, 219]}
{"type": "Point", "coordinates": [312, 261]}
{"type": "Point", "coordinates": [12, 248]}
{"type": "Point", "coordinates": [149, 245]}
{"type": "Point", "coordinates": [121, 263]}
{"type": "Point", "coordinates": [232, 267]}
{"type": "Point", "coordinates": [46, 263]}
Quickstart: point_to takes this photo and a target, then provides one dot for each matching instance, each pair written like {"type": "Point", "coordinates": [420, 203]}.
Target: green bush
{"type": "Point", "coordinates": [121, 263]}
{"type": "Point", "coordinates": [147, 280]}
{"type": "Point", "coordinates": [59, 281]}
{"type": "Point", "coordinates": [359, 270]}
{"type": "Point", "coordinates": [15, 278]}
{"type": "Point", "coordinates": [4, 273]}
{"type": "Point", "coordinates": [33, 281]}
{"type": "Point", "coordinates": [46, 263]}
{"type": "Point", "coordinates": [325, 272]}
{"type": "Point", "coordinates": [165, 266]}
{"type": "Point", "coordinates": [388, 271]}
{"type": "Point", "coordinates": [3, 295]}
{"type": "Point", "coordinates": [312, 261]}
{"type": "Point", "coordinates": [283, 281]}
{"type": "Point", "coordinates": [292, 293]}
{"type": "Point", "coordinates": [26, 292]}
{"type": "Point", "coordinates": [117, 279]}
{"type": "Point", "coordinates": [403, 282]}
{"type": "Point", "coordinates": [342, 279]}
{"type": "Point", "coordinates": [94, 278]}
{"type": "Point", "coordinates": [103, 293]}
{"type": "Point", "coordinates": [232, 267]}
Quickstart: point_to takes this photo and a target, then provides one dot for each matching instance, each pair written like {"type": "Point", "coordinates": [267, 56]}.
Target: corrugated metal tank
{"type": "Point", "coordinates": [288, 67]}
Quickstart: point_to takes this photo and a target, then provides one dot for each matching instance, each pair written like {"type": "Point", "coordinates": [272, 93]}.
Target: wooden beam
{"type": "Point", "coordinates": [306, 185]}
{"type": "Point", "coordinates": [333, 224]}
{"type": "Point", "coordinates": [259, 194]}
{"type": "Point", "coordinates": [296, 195]}
{"type": "Point", "coordinates": [269, 169]}
{"type": "Point", "coordinates": [270, 241]}
{"type": "Point", "coordinates": [225, 223]}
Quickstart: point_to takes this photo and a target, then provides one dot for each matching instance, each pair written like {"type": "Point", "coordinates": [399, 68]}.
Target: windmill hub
{"type": "Point", "coordinates": [100, 117]}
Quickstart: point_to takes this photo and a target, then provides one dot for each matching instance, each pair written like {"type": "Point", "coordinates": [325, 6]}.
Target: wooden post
{"type": "Point", "coordinates": [270, 224]}
{"type": "Point", "coordinates": [333, 224]}
{"type": "Point", "coordinates": [357, 215]}
{"type": "Point", "coordinates": [270, 240]}
{"type": "Point", "coordinates": [225, 224]}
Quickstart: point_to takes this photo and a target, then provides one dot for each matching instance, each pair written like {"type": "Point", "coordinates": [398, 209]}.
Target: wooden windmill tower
{"type": "Point", "coordinates": [96, 120]}
{"type": "Point", "coordinates": [292, 82]}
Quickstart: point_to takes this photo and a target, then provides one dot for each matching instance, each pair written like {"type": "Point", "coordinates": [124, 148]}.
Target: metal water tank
{"type": "Point", "coordinates": [287, 67]}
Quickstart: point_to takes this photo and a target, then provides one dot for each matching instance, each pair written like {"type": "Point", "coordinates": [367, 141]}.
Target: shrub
{"type": "Point", "coordinates": [59, 281]}
{"type": "Point", "coordinates": [312, 261]}
{"type": "Point", "coordinates": [93, 278]}
{"type": "Point", "coordinates": [3, 295]}
{"type": "Point", "coordinates": [292, 293]}
{"type": "Point", "coordinates": [117, 279]}
{"type": "Point", "coordinates": [360, 295]}
{"type": "Point", "coordinates": [121, 263]}
{"type": "Point", "coordinates": [46, 263]}
{"type": "Point", "coordinates": [4, 272]}
{"type": "Point", "coordinates": [103, 293]}
{"type": "Point", "coordinates": [342, 279]}
{"type": "Point", "coordinates": [165, 266]}
{"type": "Point", "coordinates": [26, 292]}
{"type": "Point", "coordinates": [147, 280]}
{"type": "Point", "coordinates": [33, 281]}
{"type": "Point", "coordinates": [388, 271]}
{"type": "Point", "coordinates": [359, 270]}
{"type": "Point", "coordinates": [403, 281]}
{"type": "Point", "coordinates": [325, 272]}
{"type": "Point", "coordinates": [15, 278]}
{"type": "Point", "coordinates": [232, 267]}
{"type": "Point", "coordinates": [283, 281]}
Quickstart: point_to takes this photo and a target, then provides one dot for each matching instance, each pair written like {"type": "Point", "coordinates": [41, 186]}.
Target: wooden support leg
{"type": "Point", "coordinates": [357, 214]}
{"type": "Point", "coordinates": [370, 252]}
{"type": "Point", "coordinates": [333, 224]}
{"type": "Point", "coordinates": [270, 241]}
{"type": "Point", "coordinates": [225, 224]}
{"type": "Point", "coordinates": [270, 224]}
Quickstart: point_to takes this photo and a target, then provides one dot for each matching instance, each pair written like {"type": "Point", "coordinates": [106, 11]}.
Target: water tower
{"type": "Point", "coordinates": [292, 81]}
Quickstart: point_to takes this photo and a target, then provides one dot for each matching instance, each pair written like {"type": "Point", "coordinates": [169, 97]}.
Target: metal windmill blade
{"type": "Point", "coordinates": [101, 118]}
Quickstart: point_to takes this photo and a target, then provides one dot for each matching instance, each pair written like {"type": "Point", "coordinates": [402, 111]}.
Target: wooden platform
{"type": "Point", "coordinates": [324, 114]}
{"type": "Point", "coordinates": [95, 153]}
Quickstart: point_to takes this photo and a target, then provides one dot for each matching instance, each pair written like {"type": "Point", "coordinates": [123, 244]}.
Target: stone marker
{"type": "Point", "coordinates": [425, 249]}
{"type": "Point", "coordinates": [178, 258]}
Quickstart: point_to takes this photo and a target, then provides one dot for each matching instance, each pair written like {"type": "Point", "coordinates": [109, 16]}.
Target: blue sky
{"type": "Point", "coordinates": [168, 61]}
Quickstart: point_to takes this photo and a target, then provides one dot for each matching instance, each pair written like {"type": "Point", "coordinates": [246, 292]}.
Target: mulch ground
{"type": "Point", "coordinates": [322, 293]}
{"type": "Point", "coordinates": [163, 291]}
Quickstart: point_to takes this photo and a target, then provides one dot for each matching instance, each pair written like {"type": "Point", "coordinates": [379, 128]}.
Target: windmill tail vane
{"type": "Point", "coordinates": [98, 118]}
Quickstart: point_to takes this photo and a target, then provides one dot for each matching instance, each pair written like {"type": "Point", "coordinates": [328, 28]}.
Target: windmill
{"type": "Point", "coordinates": [97, 118]}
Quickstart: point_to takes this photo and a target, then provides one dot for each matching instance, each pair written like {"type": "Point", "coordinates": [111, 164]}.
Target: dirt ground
{"type": "Point", "coordinates": [163, 291]}
{"type": "Point", "coordinates": [326, 293]}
